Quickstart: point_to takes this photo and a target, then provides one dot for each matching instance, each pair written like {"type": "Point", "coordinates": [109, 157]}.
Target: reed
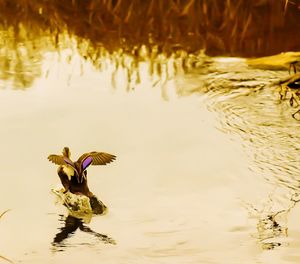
{"type": "Point", "coordinates": [5, 259]}
{"type": "Point", "coordinates": [1, 257]}
{"type": "Point", "coordinates": [3, 213]}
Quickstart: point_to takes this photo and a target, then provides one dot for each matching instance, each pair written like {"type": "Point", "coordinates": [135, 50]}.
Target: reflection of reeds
{"type": "Point", "coordinates": [19, 62]}
{"type": "Point", "coordinates": [222, 27]}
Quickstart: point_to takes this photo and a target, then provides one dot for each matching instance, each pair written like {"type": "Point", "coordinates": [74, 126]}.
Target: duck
{"type": "Point", "coordinates": [73, 175]}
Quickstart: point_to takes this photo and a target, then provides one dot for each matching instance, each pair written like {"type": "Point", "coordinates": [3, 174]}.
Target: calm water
{"type": "Point", "coordinates": [209, 175]}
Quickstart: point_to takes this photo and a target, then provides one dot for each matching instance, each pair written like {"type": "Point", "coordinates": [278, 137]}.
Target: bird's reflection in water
{"type": "Point", "coordinates": [71, 224]}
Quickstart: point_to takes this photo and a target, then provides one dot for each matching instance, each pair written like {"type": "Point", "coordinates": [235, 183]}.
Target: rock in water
{"type": "Point", "coordinates": [97, 206]}
{"type": "Point", "coordinates": [78, 204]}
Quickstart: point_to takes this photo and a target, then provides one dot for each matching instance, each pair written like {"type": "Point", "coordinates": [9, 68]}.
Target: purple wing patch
{"type": "Point", "coordinates": [87, 162]}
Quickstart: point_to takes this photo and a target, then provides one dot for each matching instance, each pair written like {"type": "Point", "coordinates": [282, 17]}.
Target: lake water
{"type": "Point", "coordinates": [206, 170]}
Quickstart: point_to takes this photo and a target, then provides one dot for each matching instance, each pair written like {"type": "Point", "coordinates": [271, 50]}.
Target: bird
{"type": "Point", "coordinates": [73, 175]}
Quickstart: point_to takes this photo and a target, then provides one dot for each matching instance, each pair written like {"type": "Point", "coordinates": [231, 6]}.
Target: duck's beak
{"type": "Point", "coordinates": [79, 179]}
{"type": "Point", "coordinates": [84, 175]}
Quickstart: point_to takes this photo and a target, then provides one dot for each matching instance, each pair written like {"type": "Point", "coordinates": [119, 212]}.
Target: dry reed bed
{"type": "Point", "coordinates": [118, 28]}
{"type": "Point", "coordinates": [223, 27]}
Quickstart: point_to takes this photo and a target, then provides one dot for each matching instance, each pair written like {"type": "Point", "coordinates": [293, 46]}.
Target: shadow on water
{"type": "Point", "coordinates": [78, 217]}
{"type": "Point", "coordinates": [70, 225]}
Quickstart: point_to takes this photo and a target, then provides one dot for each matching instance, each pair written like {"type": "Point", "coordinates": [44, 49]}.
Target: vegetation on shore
{"type": "Point", "coordinates": [127, 32]}
{"type": "Point", "coordinates": [231, 27]}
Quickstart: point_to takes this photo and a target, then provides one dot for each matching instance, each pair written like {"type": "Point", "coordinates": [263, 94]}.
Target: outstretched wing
{"type": "Point", "coordinates": [98, 158]}
{"type": "Point", "coordinates": [101, 158]}
{"type": "Point", "coordinates": [57, 159]}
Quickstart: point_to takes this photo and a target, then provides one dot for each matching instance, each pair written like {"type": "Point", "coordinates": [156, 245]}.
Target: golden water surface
{"type": "Point", "coordinates": [207, 161]}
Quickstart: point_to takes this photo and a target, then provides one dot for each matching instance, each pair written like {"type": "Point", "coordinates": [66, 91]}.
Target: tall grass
{"type": "Point", "coordinates": [118, 28]}
{"type": "Point", "coordinates": [222, 27]}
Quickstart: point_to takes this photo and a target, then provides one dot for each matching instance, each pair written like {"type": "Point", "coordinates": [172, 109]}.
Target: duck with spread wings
{"type": "Point", "coordinates": [73, 175]}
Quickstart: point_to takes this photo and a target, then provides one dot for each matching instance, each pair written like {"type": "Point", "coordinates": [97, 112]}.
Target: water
{"type": "Point", "coordinates": [207, 176]}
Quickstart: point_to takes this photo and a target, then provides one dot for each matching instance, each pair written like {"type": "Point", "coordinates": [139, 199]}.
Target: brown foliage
{"type": "Point", "coordinates": [223, 27]}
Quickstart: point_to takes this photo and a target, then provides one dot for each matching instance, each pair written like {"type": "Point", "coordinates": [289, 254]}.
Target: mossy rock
{"type": "Point", "coordinates": [78, 204]}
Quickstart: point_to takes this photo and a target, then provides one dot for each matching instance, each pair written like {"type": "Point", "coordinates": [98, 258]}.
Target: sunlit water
{"type": "Point", "coordinates": [208, 176]}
